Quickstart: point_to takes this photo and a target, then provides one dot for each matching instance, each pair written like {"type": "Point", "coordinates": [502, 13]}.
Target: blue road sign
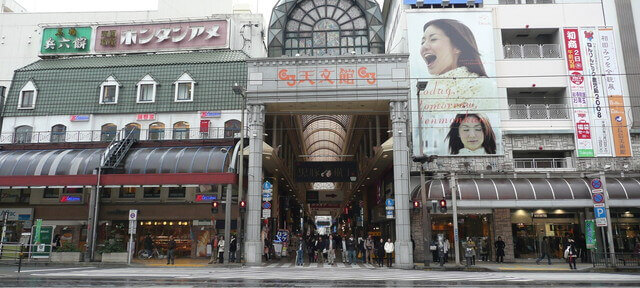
{"type": "Point", "coordinates": [600, 212]}
{"type": "Point", "coordinates": [389, 202]}
{"type": "Point", "coordinates": [598, 198]}
{"type": "Point", "coordinates": [596, 183]}
{"type": "Point", "coordinates": [266, 205]}
{"type": "Point", "coordinates": [389, 212]}
{"type": "Point", "coordinates": [267, 185]}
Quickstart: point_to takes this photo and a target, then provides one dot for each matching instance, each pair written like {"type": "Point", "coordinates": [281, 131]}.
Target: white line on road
{"type": "Point", "coordinates": [56, 269]}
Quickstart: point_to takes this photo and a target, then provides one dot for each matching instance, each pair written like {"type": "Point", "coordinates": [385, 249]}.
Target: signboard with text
{"type": "Point", "coordinates": [339, 171]}
{"type": "Point", "coordinates": [211, 34]}
{"type": "Point", "coordinates": [66, 40]}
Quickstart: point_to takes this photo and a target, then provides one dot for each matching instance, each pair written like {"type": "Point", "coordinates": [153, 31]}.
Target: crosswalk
{"type": "Point", "coordinates": [321, 265]}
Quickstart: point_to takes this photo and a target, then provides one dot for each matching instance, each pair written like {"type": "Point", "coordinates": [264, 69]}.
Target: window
{"type": "Point", "coordinates": [58, 133]}
{"type": "Point", "coordinates": [181, 130]}
{"type": "Point", "coordinates": [128, 192]}
{"type": "Point", "coordinates": [23, 134]}
{"type": "Point", "coordinates": [184, 88]}
{"type": "Point", "coordinates": [105, 193]}
{"type": "Point", "coordinates": [133, 129]}
{"type": "Point", "coordinates": [51, 193]}
{"type": "Point", "coordinates": [109, 91]}
{"type": "Point", "coordinates": [151, 192]}
{"type": "Point", "coordinates": [231, 127]}
{"type": "Point", "coordinates": [73, 190]}
{"type": "Point", "coordinates": [15, 195]}
{"type": "Point", "coordinates": [156, 131]}
{"type": "Point", "coordinates": [177, 192]}
{"type": "Point", "coordinates": [28, 95]}
{"type": "Point", "coordinates": [147, 90]}
{"type": "Point", "coordinates": [108, 132]}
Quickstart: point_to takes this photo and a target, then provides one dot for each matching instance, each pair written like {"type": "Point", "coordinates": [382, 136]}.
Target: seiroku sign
{"type": "Point", "coordinates": [210, 34]}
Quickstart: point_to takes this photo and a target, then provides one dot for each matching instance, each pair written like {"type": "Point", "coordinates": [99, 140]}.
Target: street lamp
{"type": "Point", "coordinates": [239, 90]}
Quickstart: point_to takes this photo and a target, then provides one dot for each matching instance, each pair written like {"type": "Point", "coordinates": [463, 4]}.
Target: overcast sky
{"type": "Point", "coordinates": [87, 5]}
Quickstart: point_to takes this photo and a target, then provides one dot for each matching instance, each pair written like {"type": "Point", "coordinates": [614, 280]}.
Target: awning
{"type": "Point", "coordinates": [532, 192]}
{"type": "Point", "coordinates": [73, 167]}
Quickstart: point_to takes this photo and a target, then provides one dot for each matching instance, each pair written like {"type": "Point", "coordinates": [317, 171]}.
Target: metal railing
{"type": "Point", "coordinates": [509, 2]}
{"type": "Point", "coordinates": [539, 111]}
{"type": "Point", "coordinates": [542, 163]}
{"type": "Point", "coordinates": [108, 136]}
{"type": "Point", "coordinates": [532, 51]}
{"type": "Point", "coordinates": [600, 259]}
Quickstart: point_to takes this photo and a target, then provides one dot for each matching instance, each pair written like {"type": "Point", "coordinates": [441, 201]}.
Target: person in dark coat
{"type": "Point", "coordinates": [148, 245]}
{"type": "Point", "coordinates": [379, 247]}
{"type": "Point", "coordinates": [233, 247]}
{"type": "Point", "coordinates": [171, 247]}
{"type": "Point", "coordinates": [351, 249]}
{"type": "Point", "coordinates": [500, 250]}
{"type": "Point", "coordinates": [545, 250]}
{"type": "Point", "coordinates": [311, 249]}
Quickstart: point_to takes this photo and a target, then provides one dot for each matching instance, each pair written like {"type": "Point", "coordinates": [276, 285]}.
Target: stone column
{"type": "Point", "coordinates": [253, 243]}
{"type": "Point", "coordinates": [404, 249]}
{"type": "Point", "coordinates": [502, 228]}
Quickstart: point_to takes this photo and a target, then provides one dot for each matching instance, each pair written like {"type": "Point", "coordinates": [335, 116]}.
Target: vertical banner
{"type": "Point", "coordinates": [577, 86]}
{"type": "Point", "coordinates": [613, 88]}
{"type": "Point", "coordinates": [600, 125]}
{"type": "Point", "coordinates": [454, 99]}
{"type": "Point", "coordinates": [590, 233]}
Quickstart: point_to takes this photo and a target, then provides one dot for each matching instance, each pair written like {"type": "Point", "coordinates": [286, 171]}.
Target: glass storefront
{"type": "Point", "coordinates": [626, 228]}
{"type": "Point", "coordinates": [477, 226]}
{"type": "Point", "coordinates": [529, 226]}
{"type": "Point", "coordinates": [161, 230]}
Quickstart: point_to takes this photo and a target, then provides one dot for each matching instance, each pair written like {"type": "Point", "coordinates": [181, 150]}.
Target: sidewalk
{"type": "Point", "coordinates": [509, 267]}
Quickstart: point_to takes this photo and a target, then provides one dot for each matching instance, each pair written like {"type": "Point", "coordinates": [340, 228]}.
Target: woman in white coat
{"type": "Point", "coordinates": [388, 249]}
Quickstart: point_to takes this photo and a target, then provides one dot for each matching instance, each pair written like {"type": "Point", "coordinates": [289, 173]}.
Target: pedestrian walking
{"type": "Point", "coordinates": [483, 249]}
{"type": "Point", "coordinates": [499, 250]}
{"type": "Point", "coordinates": [469, 251]}
{"type": "Point", "coordinates": [331, 250]}
{"type": "Point", "coordinates": [368, 245]}
{"type": "Point", "coordinates": [171, 247]}
{"type": "Point", "coordinates": [214, 249]}
{"type": "Point", "coordinates": [148, 245]}
{"type": "Point", "coordinates": [319, 247]}
{"type": "Point", "coordinates": [351, 249]}
{"type": "Point", "coordinates": [545, 250]}
{"type": "Point", "coordinates": [380, 252]}
{"type": "Point", "coordinates": [302, 246]}
{"type": "Point", "coordinates": [388, 249]}
{"type": "Point", "coordinates": [442, 250]}
{"type": "Point", "coordinates": [571, 253]}
{"type": "Point", "coordinates": [447, 247]}
{"type": "Point", "coordinates": [233, 247]}
{"type": "Point", "coordinates": [361, 250]}
{"type": "Point", "coordinates": [221, 250]}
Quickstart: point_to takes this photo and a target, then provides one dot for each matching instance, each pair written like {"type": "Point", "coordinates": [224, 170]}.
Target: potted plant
{"type": "Point", "coordinates": [68, 252]}
{"type": "Point", "coordinates": [114, 250]}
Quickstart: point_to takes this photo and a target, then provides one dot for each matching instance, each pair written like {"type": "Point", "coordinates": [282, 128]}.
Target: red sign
{"type": "Point", "coordinates": [204, 126]}
{"type": "Point", "coordinates": [146, 117]}
{"type": "Point", "coordinates": [327, 76]}
{"type": "Point", "coordinates": [572, 44]}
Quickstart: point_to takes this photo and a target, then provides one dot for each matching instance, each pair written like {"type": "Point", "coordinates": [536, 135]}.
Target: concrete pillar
{"type": "Point", "coordinates": [502, 228]}
{"type": "Point", "coordinates": [253, 243]}
{"type": "Point", "coordinates": [404, 249]}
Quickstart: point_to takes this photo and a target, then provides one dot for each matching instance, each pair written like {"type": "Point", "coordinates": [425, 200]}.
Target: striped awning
{"type": "Point", "coordinates": [524, 189]}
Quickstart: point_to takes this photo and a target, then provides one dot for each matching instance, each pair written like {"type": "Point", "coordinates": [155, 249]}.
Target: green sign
{"type": "Point", "coordinates": [70, 40]}
{"type": "Point", "coordinates": [36, 233]}
{"type": "Point", "coordinates": [42, 248]}
{"type": "Point", "coordinates": [590, 233]}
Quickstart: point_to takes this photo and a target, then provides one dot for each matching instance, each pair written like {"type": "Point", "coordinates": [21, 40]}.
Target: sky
{"type": "Point", "coordinates": [87, 5]}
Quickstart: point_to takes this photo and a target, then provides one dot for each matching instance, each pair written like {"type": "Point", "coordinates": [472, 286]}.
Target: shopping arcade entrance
{"type": "Point", "coordinates": [320, 86]}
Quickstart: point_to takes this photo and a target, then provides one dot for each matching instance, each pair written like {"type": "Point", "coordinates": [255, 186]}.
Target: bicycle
{"type": "Point", "coordinates": [144, 254]}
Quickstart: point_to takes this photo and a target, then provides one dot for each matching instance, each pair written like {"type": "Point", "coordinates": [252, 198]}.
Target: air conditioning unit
{"type": "Point", "coordinates": [419, 3]}
{"type": "Point", "coordinates": [471, 3]}
{"type": "Point", "coordinates": [445, 3]}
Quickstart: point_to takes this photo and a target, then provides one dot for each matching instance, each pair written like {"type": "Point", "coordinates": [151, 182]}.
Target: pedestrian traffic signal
{"type": "Point", "coordinates": [416, 207]}
{"type": "Point", "coordinates": [443, 206]}
{"type": "Point", "coordinates": [243, 206]}
{"type": "Point", "coordinates": [214, 207]}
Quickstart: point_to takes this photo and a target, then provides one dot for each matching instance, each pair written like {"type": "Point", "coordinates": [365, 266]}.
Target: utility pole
{"type": "Point", "coordinates": [239, 90]}
{"type": "Point", "coordinates": [612, 250]}
{"type": "Point", "coordinates": [426, 215]}
{"type": "Point", "coordinates": [453, 184]}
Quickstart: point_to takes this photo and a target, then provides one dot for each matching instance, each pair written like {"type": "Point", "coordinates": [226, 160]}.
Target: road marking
{"type": "Point", "coordinates": [312, 265]}
{"type": "Point", "coordinates": [56, 269]}
{"type": "Point", "coordinates": [272, 265]}
{"type": "Point", "coordinates": [341, 265]}
{"type": "Point", "coordinates": [286, 265]}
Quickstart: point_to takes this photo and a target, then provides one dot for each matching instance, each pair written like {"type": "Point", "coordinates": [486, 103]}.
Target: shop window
{"type": "Point", "coordinates": [128, 192]}
{"type": "Point", "coordinates": [177, 192]}
{"type": "Point", "coordinates": [132, 129]}
{"type": "Point", "coordinates": [231, 127]}
{"type": "Point", "coordinates": [58, 133]}
{"type": "Point", "coordinates": [109, 90]}
{"type": "Point", "coordinates": [147, 90]}
{"type": "Point", "coordinates": [51, 193]}
{"type": "Point", "coordinates": [156, 131]}
{"type": "Point", "coordinates": [28, 94]}
{"type": "Point", "coordinates": [151, 192]}
{"type": "Point", "coordinates": [105, 193]}
{"type": "Point", "coordinates": [108, 132]}
{"type": "Point", "coordinates": [184, 88]}
{"type": "Point", "coordinates": [73, 190]}
{"type": "Point", "coordinates": [23, 134]}
{"type": "Point", "coordinates": [181, 130]}
{"type": "Point", "coordinates": [14, 195]}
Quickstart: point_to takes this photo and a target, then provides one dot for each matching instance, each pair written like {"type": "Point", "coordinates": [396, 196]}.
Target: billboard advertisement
{"type": "Point", "coordinates": [455, 109]}
{"type": "Point", "coordinates": [578, 90]}
{"type": "Point", "coordinates": [66, 40]}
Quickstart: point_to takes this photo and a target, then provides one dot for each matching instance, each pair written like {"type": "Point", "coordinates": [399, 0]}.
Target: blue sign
{"type": "Point", "coordinates": [596, 183]}
{"type": "Point", "coordinates": [389, 202]}
{"type": "Point", "coordinates": [80, 118]}
{"type": "Point", "coordinates": [69, 198]}
{"type": "Point", "coordinates": [267, 185]}
{"type": "Point", "coordinates": [205, 197]}
{"type": "Point", "coordinates": [600, 212]}
{"type": "Point", "coordinates": [439, 2]}
{"type": "Point", "coordinates": [266, 205]}
{"type": "Point", "coordinates": [598, 198]}
{"type": "Point", "coordinates": [389, 212]}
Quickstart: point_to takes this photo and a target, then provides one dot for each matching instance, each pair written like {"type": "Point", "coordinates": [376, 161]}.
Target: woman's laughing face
{"type": "Point", "coordinates": [438, 52]}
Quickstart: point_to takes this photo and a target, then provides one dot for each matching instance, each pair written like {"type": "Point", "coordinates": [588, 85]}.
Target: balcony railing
{"type": "Point", "coordinates": [531, 51]}
{"type": "Point", "coordinates": [507, 2]}
{"type": "Point", "coordinates": [542, 163]}
{"type": "Point", "coordinates": [539, 111]}
{"type": "Point", "coordinates": [107, 136]}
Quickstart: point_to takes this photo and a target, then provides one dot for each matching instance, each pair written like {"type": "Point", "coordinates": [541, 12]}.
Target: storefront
{"type": "Point", "coordinates": [530, 226]}
{"type": "Point", "coordinates": [18, 220]}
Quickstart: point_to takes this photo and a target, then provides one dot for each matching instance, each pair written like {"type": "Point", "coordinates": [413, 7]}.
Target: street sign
{"type": "Point", "coordinates": [389, 214]}
{"type": "Point", "coordinates": [390, 204]}
{"type": "Point", "coordinates": [133, 215]}
{"type": "Point", "coordinates": [266, 213]}
{"type": "Point", "coordinates": [590, 233]}
{"type": "Point", "coordinates": [267, 196]}
{"type": "Point", "coordinates": [267, 185]}
{"type": "Point", "coordinates": [601, 216]}
{"type": "Point", "coordinates": [266, 205]}
{"type": "Point", "coordinates": [597, 198]}
{"type": "Point", "coordinates": [597, 191]}
{"type": "Point", "coordinates": [133, 226]}
{"type": "Point", "coordinates": [596, 183]}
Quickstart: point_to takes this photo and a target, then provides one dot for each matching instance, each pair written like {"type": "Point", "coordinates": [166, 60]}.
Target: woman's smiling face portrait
{"type": "Point", "coordinates": [471, 133]}
{"type": "Point", "coordinates": [438, 52]}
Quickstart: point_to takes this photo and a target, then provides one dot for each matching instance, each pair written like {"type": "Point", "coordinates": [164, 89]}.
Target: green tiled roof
{"type": "Point", "coordinates": [72, 85]}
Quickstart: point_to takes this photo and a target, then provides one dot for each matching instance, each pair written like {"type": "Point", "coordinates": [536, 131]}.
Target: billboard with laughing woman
{"type": "Point", "coordinates": [455, 108]}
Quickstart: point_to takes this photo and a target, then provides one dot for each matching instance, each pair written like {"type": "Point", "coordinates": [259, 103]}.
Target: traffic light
{"type": "Point", "coordinates": [443, 206]}
{"type": "Point", "coordinates": [243, 206]}
{"type": "Point", "coordinates": [416, 206]}
{"type": "Point", "coordinates": [214, 207]}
